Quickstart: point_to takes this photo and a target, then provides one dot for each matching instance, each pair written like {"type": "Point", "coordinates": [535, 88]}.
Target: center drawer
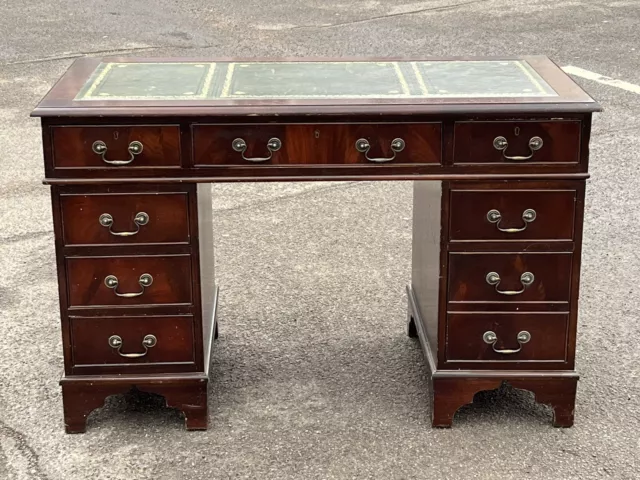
{"type": "Point", "coordinates": [141, 280]}
{"type": "Point", "coordinates": [509, 277]}
{"type": "Point", "coordinates": [323, 144]}
{"type": "Point", "coordinates": [132, 341]}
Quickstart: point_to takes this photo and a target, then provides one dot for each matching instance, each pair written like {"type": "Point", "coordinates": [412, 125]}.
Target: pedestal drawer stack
{"type": "Point", "coordinates": [130, 292]}
{"type": "Point", "coordinates": [510, 275]}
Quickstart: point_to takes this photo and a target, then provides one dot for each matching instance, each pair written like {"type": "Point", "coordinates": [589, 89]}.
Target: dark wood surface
{"type": "Point", "coordinates": [554, 220]}
{"type": "Point", "coordinates": [83, 394]}
{"type": "Point", "coordinates": [171, 280]}
{"type": "Point", "coordinates": [92, 353]}
{"type": "Point", "coordinates": [449, 394]}
{"type": "Point", "coordinates": [167, 213]}
{"type": "Point", "coordinates": [72, 146]}
{"type": "Point", "coordinates": [206, 154]}
{"type": "Point", "coordinates": [473, 142]}
{"type": "Point", "coordinates": [548, 337]}
{"type": "Point", "coordinates": [467, 272]}
{"type": "Point", "coordinates": [319, 144]}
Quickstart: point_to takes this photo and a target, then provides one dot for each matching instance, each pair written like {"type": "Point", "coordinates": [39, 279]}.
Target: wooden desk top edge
{"type": "Point", "coordinates": [59, 101]}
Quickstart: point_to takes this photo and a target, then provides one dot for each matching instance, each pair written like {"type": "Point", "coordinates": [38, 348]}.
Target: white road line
{"type": "Point", "coordinates": [596, 77]}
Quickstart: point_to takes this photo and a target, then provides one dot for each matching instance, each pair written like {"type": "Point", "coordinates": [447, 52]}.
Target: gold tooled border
{"type": "Point", "coordinates": [421, 84]}
{"type": "Point", "coordinates": [97, 81]}
{"type": "Point", "coordinates": [396, 68]}
{"type": "Point", "coordinates": [541, 90]}
{"type": "Point", "coordinates": [204, 91]}
{"type": "Point", "coordinates": [533, 79]}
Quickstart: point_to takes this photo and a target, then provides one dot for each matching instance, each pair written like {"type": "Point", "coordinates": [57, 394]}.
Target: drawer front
{"type": "Point", "coordinates": [123, 147]}
{"type": "Point", "coordinates": [325, 144]}
{"type": "Point", "coordinates": [104, 341]}
{"type": "Point", "coordinates": [509, 277]}
{"type": "Point", "coordinates": [517, 143]}
{"type": "Point", "coordinates": [125, 219]}
{"type": "Point", "coordinates": [503, 337]}
{"type": "Point", "coordinates": [512, 214]}
{"type": "Point", "coordinates": [129, 280]}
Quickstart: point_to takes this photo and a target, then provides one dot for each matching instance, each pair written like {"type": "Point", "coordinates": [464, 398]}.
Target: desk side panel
{"type": "Point", "coordinates": [427, 267]}
{"type": "Point", "coordinates": [207, 268]}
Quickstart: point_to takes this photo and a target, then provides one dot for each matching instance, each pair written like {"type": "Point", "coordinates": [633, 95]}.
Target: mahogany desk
{"type": "Point", "coordinates": [497, 149]}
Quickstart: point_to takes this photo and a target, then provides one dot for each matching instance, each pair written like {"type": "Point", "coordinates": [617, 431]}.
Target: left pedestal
{"type": "Point", "coordinates": [137, 295]}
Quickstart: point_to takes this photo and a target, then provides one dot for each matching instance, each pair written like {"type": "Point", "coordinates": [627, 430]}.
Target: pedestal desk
{"type": "Point", "coordinates": [497, 149]}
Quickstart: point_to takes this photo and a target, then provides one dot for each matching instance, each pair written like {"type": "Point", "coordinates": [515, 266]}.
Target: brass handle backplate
{"type": "Point", "coordinates": [363, 146]}
{"type": "Point", "coordinates": [494, 216]}
{"type": "Point", "coordinates": [149, 341]}
{"type": "Point", "coordinates": [500, 143]}
{"type": "Point", "coordinates": [526, 279]}
{"type": "Point", "coordinates": [491, 338]}
{"type": "Point", "coordinates": [100, 148]}
{"type": "Point", "coordinates": [106, 220]}
{"type": "Point", "coordinates": [273, 145]}
{"type": "Point", "coordinates": [145, 280]}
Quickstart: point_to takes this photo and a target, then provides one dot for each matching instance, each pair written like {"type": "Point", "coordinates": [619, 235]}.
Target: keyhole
{"type": "Point", "coordinates": [517, 131]}
{"type": "Point", "coordinates": [115, 135]}
{"type": "Point", "coordinates": [317, 133]}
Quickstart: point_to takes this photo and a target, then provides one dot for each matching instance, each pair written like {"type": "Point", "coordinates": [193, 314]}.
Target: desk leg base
{"type": "Point", "coordinates": [82, 395]}
{"type": "Point", "coordinates": [449, 394]}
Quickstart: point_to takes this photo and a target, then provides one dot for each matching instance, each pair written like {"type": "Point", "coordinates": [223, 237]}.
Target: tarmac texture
{"type": "Point", "coordinates": [313, 376]}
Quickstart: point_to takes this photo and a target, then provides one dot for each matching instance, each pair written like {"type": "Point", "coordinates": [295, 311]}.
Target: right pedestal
{"type": "Point", "coordinates": [494, 291]}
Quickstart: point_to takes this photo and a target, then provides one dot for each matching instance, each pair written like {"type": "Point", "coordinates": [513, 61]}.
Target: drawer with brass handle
{"type": "Point", "coordinates": [506, 337]}
{"type": "Point", "coordinates": [141, 280]}
{"type": "Point", "coordinates": [321, 144]}
{"type": "Point", "coordinates": [120, 146]}
{"type": "Point", "coordinates": [509, 277]}
{"type": "Point", "coordinates": [129, 342]}
{"type": "Point", "coordinates": [519, 214]}
{"type": "Point", "coordinates": [125, 218]}
{"type": "Point", "coordinates": [517, 142]}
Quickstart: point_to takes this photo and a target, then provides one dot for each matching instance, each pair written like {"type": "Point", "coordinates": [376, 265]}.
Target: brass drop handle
{"type": "Point", "coordinates": [491, 338]}
{"type": "Point", "coordinates": [148, 342]}
{"type": "Point", "coordinates": [500, 143]}
{"type": "Point", "coordinates": [363, 146]}
{"type": "Point", "coordinates": [100, 148]}
{"type": "Point", "coordinates": [526, 279]}
{"type": "Point", "coordinates": [111, 281]}
{"type": "Point", "coordinates": [106, 220]}
{"type": "Point", "coordinates": [273, 145]}
{"type": "Point", "coordinates": [494, 216]}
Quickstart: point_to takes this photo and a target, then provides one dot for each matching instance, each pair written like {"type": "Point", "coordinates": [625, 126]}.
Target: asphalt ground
{"type": "Point", "coordinates": [313, 375]}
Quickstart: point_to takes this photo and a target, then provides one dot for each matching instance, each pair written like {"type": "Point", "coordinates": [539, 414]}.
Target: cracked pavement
{"type": "Point", "coordinates": [313, 375]}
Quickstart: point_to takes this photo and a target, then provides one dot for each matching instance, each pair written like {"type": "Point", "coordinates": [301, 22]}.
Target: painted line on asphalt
{"type": "Point", "coordinates": [596, 77]}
